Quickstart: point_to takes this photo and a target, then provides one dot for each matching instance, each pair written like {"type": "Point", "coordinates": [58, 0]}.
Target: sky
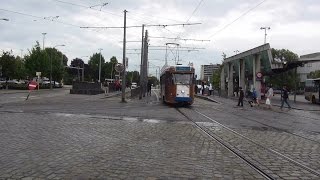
{"type": "Point", "coordinates": [225, 26]}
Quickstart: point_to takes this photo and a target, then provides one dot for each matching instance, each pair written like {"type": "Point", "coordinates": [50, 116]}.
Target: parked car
{"type": "Point", "coordinates": [277, 91]}
{"type": "Point", "coordinates": [13, 81]}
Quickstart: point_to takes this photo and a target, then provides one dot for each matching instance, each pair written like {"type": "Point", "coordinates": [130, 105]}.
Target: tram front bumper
{"type": "Point", "coordinates": [183, 99]}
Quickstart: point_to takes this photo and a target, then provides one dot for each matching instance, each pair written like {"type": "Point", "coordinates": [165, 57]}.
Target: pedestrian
{"type": "Point", "coordinates": [202, 88]}
{"type": "Point", "coordinates": [254, 95]}
{"type": "Point", "coordinates": [210, 89]}
{"type": "Point", "coordinates": [269, 96]}
{"type": "Point", "coordinates": [241, 96]}
{"type": "Point", "coordinates": [285, 96]}
{"type": "Point", "coordinates": [195, 89]}
{"type": "Point", "coordinates": [149, 88]}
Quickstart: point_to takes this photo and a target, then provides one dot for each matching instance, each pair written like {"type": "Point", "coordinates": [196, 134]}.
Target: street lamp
{"type": "Point", "coordinates": [100, 66]}
{"type": "Point", "coordinates": [83, 67]}
{"type": "Point", "coordinates": [4, 19]}
{"type": "Point", "coordinates": [265, 33]}
{"type": "Point", "coordinates": [51, 65]}
{"type": "Point", "coordinates": [44, 34]}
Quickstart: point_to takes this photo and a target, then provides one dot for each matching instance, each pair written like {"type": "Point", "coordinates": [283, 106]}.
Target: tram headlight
{"type": "Point", "coordinates": [182, 91]}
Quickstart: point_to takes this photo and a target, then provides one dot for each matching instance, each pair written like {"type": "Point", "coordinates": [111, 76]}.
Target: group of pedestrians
{"type": "Point", "coordinates": [269, 95]}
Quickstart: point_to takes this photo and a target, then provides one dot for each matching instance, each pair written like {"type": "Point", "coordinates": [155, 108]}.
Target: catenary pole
{"type": "Point", "coordinates": [100, 66]}
{"type": "Point", "coordinates": [145, 68]}
{"type": "Point", "coordinates": [141, 64]}
{"type": "Point", "coordinates": [124, 59]}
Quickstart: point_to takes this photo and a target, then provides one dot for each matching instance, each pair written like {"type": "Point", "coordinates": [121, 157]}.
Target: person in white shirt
{"type": "Point", "coordinates": [269, 96]}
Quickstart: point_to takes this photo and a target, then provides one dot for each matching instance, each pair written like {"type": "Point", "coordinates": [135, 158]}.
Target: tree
{"type": "Point", "coordinates": [20, 71]}
{"type": "Point", "coordinates": [37, 61]}
{"type": "Point", "coordinates": [153, 80]}
{"type": "Point", "coordinates": [111, 65]}
{"type": "Point", "coordinates": [7, 63]}
{"type": "Point", "coordinates": [78, 63]}
{"type": "Point", "coordinates": [57, 60]}
{"type": "Point", "coordinates": [288, 78]}
{"type": "Point", "coordinates": [314, 74]}
{"type": "Point", "coordinates": [132, 76]}
{"type": "Point", "coordinates": [216, 77]}
{"type": "Point", "coordinates": [94, 66]}
{"type": "Point", "coordinates": [284, 55]}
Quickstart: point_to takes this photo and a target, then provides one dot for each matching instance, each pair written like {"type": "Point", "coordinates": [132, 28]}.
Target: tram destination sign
{"type": "Point", "coordinates": [183, 68]}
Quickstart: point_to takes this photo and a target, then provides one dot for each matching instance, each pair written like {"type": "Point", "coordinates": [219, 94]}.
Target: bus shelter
{"type": "Point", "coordinates": [248, 70]}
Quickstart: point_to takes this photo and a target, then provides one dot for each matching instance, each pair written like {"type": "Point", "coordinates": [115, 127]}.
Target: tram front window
{"type": "Point", "coordinates": [182, 79]}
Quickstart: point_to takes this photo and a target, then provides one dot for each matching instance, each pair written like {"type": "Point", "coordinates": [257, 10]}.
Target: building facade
{"type": "Point", "coordinates": [207, 71]}
{"type": "Point", "coordinates": [309, 67]}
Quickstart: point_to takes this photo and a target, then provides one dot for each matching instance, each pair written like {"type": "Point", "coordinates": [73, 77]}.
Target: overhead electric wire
{"type": "Point", "coordinates": [89, 7]}
{"type": "Point", "coordinates": [197, 7]}
{"type": "Point", "coordinates": [178, 38]}
{"type": "Point", "coordinates": [38, 17]}
{"type": "Point", "coordinates": [150, 25]}
{"type": "Point", "coordinates": [194, 11]}
{"type": "Point", "coordinates": [237, 19]}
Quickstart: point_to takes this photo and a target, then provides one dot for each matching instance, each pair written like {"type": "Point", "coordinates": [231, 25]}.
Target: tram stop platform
{"type": "Point", "coordinates": [300, 104]}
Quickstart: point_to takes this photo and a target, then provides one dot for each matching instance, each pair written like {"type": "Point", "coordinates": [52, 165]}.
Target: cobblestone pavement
{"type": "Point", "coordinates": [292, 133]}
{"type": "Point", "coordinates": [63, 146]}
{"type": "Point", "coordinates": [81, 137]}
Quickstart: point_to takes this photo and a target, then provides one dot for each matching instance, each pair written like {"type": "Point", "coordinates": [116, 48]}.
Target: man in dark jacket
{"type": "Point", "coordinates": [241, 96]}
{"type": "Point", "coordinates": [285, 96]}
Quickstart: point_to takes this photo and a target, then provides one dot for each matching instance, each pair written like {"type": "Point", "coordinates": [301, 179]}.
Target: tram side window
{"type": "Point", "coordinates": [169, 79]}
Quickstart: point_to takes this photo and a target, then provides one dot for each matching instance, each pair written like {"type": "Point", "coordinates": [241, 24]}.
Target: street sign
{"type": "Point", "coordinates": [38, 73]}
{"type": "Point", "coordinates": [119, 67]}
{"type": "Point", "coordinates": [32, 85]}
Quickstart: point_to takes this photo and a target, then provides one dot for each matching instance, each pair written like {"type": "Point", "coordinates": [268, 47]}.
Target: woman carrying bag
{"type": "Point", "coordinates": [269, 96]}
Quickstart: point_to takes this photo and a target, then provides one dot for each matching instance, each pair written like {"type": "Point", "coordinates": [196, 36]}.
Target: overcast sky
{"type": "Point", "coordinates": [230, 25]}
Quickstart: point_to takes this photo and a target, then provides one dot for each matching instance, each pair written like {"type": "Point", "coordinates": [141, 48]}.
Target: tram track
{"type": "Point", "coordinates": [263, 159]}
{"type": "Point", "coordinates": [244, 116]}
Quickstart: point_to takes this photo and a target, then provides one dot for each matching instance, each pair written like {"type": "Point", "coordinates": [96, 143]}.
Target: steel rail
{"type": "Point", "coordinates": [313, 171]}
{"type": "Point", "coordinates": [223, 144]}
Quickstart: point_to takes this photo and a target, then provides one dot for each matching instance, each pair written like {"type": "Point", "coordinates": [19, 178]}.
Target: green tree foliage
{"type": "Point", "coordinates": [40, 61]}
{"type": "Point", "coordinates": [287, 78]}
{"type": "Point", "coordinates": [74, 73]}
{"type": "Point", "coordinates": [314, 74]}
{"type": "Point", "coordinates": [20, 71]}
{"type": "Point", "coordinates": [153, 80]}
{"type": "Point", "coordinates": [58, 59]}
{"type": "Point", "coordinates": [37, 61]}
{"type": "Point", "coordinates": [284, 55]}
{"type": "Point", "coordinates": [132, 76]}
{"type": "Point", "coordinates": [8, 65]}
{"type": "Point", "coordinates": [112, 63]}
{"type": "Point", "coordinates": [94, 67]}
{"type": "Point", "coordinates": [216, 78]}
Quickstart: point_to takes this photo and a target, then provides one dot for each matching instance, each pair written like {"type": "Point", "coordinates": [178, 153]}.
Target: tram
{"type": "Point", "coordinates": [177, 85]}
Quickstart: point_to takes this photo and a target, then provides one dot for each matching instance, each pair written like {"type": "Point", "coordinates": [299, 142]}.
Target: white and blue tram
{"type": "Point", "coordinates": [177, 84]}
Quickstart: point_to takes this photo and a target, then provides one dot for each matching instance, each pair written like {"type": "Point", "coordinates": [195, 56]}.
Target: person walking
{"type": "Point", "coordinates": [269, 96]}
{"type": "Point", "coordinates": [241, 96]}
{"type": "Point", "coordinates": [285, 96]}
{"type": "Point", "coordinates": [149, 88]}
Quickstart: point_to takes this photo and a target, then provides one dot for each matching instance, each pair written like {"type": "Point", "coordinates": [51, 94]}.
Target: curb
{"type": "Point", "coordinates": [207, 98]}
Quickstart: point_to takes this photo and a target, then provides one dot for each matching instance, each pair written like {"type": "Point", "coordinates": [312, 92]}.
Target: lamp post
{"type": "Point", "coordinates": [51, 65]}
{"type": "Point", "coordinates": [265, 33]}
{"type": "Point", "coordinates": [83, 67]}
{"type": "Point", "coordinates": [100, 66]}
{"type": "Point", "coordinates": [44, 35]}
